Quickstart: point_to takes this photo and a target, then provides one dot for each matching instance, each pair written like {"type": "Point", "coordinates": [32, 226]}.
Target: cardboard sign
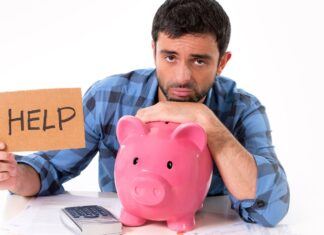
{"type": "Point", "coordinates": [48, 119]}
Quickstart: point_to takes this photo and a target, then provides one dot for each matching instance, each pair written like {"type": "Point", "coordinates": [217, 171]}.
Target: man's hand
{"type": "Point", "coordinates": [8, 169]}
{"type": "Point", "coordinates": [179, 112]}
{"type": "Point", "coordinates": [17, 178]}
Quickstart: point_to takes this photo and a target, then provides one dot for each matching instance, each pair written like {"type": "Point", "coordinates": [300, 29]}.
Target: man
{"type": "Point", "coordinates": [190, 39]}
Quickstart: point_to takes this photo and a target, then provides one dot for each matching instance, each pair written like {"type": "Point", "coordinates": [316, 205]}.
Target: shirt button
{"type": "Point", "coordinates": [260, 203]}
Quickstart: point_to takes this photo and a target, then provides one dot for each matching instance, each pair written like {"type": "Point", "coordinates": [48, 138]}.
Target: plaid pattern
{"type": "Point", "coordinates": [111, 98]}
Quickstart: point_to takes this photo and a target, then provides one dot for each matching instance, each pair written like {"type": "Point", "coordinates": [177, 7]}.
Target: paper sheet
{"type": "Point", "coordinates": [42, 215]}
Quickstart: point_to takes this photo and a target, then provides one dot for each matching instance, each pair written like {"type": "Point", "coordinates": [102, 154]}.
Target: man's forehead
{"type": "Point", "coordinates": [196, 43]}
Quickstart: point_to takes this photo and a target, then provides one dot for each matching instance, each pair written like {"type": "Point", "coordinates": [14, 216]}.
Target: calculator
{"type": "Point", "coordinates": [91, 219]}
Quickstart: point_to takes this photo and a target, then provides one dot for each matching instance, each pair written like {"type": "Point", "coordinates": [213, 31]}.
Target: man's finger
{"type": "Point", "coordinates": [4, 156]}
{"type": "Point", "coordinates": [4, 176]}
{"type": "Point", "coordinates": [2, 146]}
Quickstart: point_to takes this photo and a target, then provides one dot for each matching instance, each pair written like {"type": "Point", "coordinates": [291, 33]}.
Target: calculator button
{"type": "Point", "coordinates": [103, 212]}
{"type": "Point", "coordinates": [73, 212]}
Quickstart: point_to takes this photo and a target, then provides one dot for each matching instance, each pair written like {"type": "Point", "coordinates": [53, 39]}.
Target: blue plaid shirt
{"type": "Point", "coordinates": [111, 98]}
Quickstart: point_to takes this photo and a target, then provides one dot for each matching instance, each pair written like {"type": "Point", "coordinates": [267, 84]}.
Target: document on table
{"type": "Point", "coordinates": [42, 217]}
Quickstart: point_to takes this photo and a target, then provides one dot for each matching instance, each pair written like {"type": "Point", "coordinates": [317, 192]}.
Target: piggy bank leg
{"type": "Point", "coordinates": [183, 224]}
{"type": "Point", "coordinates": [129, 219]}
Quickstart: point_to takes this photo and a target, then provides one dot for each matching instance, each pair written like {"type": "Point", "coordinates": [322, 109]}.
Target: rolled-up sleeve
{"type": "Point", "coordinates": [272, 193]}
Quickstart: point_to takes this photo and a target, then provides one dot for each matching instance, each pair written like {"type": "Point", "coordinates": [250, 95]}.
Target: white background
{"type": "Point", "coordinates": [277, 51]}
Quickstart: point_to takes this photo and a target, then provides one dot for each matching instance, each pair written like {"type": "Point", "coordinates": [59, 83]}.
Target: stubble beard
{"type": "Point", "coordinates": [195, 97]}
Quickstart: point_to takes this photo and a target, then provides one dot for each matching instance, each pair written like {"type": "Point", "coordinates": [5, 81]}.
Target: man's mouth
{"type": "Point", "coordinates": [180, 92]}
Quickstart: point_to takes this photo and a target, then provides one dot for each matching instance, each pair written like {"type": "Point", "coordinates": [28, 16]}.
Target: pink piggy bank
{"type": "Point", "coordinates": [162, 172]}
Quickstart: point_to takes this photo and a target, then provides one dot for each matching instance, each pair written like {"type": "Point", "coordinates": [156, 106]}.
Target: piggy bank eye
{"type": "Point", "coordinates": [135, 161]}
{"type": "Point", "coordinates": [169, 165]}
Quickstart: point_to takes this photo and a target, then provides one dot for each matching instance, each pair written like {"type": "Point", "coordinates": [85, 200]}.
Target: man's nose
{"type": "Point", "coordinates": [183, 73]}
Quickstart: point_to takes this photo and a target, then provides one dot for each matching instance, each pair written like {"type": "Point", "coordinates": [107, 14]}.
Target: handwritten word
{"type": "Point", "coordinates": [64, 114]}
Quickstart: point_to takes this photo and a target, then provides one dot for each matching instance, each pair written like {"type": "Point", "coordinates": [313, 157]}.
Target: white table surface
{"type": "Point", "coordinates": [216, 213]}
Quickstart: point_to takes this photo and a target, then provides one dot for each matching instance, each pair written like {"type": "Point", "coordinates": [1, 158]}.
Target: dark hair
{"type": "Point", "coordinates": [179, 17]}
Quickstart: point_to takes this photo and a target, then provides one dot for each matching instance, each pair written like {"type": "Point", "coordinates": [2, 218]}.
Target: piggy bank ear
{"type": "Point", "coordinates": [129, 125]}
{"type": "Point", "coordinates": [193, 132]}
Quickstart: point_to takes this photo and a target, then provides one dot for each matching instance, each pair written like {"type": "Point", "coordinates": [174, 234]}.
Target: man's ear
{"type": "Point", "coordinates": [154, 50]}
{"type": "Point", "coordinates": [153, 45]}
{"type": "Point", "coordinates": [223, 61]}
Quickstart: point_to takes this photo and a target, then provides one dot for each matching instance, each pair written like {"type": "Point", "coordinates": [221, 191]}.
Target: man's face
{"type": "Point", "coordinates": [186, 66]}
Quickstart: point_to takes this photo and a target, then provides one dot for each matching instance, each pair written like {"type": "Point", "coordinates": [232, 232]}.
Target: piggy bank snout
{"type": "Point", "coordinates": [149, 190]}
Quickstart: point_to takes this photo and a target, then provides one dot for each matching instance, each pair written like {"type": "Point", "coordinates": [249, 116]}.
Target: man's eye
{"type": "Point", "coordinates": [170, 58]}
{"type": "Point", "coordinates": [199, 62]}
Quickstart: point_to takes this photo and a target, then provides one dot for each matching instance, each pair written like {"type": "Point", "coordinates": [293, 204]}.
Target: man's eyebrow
{"type": "Point", "coordinates": [201, 56]}
{"type": "Point", "coordinates": [196, 56]}
{"type": "Point", "coordinates": [163, 51]}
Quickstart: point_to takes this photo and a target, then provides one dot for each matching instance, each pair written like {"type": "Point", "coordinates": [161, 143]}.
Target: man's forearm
{"type": "Point", "coordinates": [27, 182]}
{"type": "Point", "coordinates": [235, 164]}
